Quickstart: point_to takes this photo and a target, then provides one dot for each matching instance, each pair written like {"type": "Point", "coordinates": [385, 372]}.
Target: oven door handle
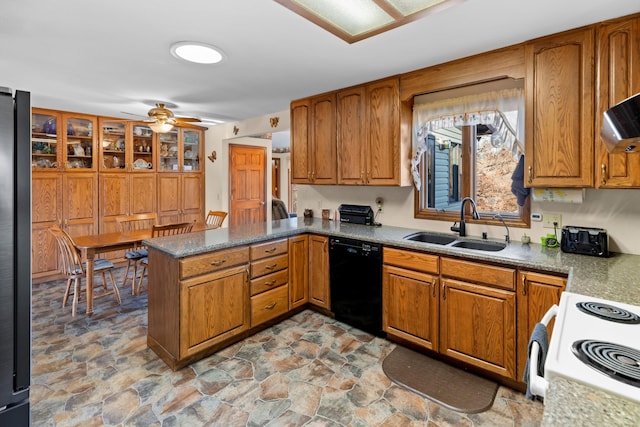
{"type": "Point", "coordinates": [538, 385]}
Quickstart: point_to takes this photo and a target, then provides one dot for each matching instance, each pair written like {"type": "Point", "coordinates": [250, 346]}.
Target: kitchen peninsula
{"type": "Point", "coordinates": [186, 265]}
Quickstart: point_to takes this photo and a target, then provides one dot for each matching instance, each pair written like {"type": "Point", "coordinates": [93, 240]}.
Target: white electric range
{"type": "Point", "coordinates": [596, 342]}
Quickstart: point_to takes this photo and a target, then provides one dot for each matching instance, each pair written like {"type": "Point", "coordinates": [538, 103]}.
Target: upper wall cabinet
{"type": "Point", "coordinates": [313, 134]}
{"type": "Point", "coordinates": [560, 110]}
{"type": "Point", "coordinates": [618, 51]}
{"type": "Point", "coordinates": [369, 134]}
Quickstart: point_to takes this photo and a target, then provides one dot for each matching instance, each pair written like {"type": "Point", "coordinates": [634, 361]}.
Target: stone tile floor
{"type": "Point", "coordinates": [308, 370]}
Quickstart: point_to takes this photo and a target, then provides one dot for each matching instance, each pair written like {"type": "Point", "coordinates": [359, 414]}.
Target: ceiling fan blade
{"type": "Point", "coordinates": [186, 120]}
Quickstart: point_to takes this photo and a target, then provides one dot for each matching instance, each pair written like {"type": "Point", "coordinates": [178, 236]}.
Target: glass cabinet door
{"type": "Point", "coordinates": [191, 149]}
{"type": "Point", "coordinates": [113, 143]}
{"type": "Point", "coordinates": [169, 151]}
{"type": "Point", "coordinates": [142, 148]}
{"type": "Point", "coordinates": [44, 141]}
{"type": "Point", "coordinates": [78, 138]}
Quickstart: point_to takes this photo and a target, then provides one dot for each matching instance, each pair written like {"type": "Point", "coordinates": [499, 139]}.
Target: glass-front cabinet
{"type": "Point", "coordinates": [78, 140]}
{"type": "Point", "coordinates": [180, 150]}
{"type": "Point", "coordinates": [191, 150]}
{"type": "Point", "coordinates": [44, 139]}
{"type": "Point", "coordinates": [125, 146]}
{"type": "Point", "coordinates": [63, 141]}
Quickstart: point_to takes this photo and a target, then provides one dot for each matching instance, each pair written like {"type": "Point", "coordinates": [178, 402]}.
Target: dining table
{"type": "Point", "coordinates": [92, 245]}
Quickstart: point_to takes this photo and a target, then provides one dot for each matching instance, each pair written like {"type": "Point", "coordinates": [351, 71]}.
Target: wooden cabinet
{"type": "Point", "coordinates": [410, 297]}
{"type": "Point", "coordinates": [313, 136]}
{"type": "Point", "coordinates": [559, 110]}
{"type": "Point", "coordinates": [269, 280]}
{"type": "Point", "coordinates": [319, 271]}
{"type": "Point", "coordinates": [125, 194]}
{"type": "Point", "coordinates": [206, 305]}
{"type": "Point", "coordinates": [46, 211]}
{"type": "Point", "coordinates": [126, 146]}
{"type": "Point", "coordinates": [298, 271]}
{"type": "Point", "coordinates": [536, 293]}
{"type": "Point", "coordinates": [368, 134]}
{"type": "Point", "coordinates": [180, 150]}
{"type": "Point", "coordinates": [180, 197]}
{"type": "Point", "coordinates": [478, 315]}
{"type": "Point", "coordinates": [618, 61]}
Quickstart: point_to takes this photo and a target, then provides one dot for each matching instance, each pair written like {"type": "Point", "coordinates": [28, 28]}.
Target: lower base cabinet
{"type": "Point", "coordinates": [319, 271]}
{"type": "Point", "coordinates": [482, 315]}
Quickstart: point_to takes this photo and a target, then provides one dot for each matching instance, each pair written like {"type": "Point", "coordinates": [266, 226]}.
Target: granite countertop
{"type": "Point", "coordinates": [614, 278]}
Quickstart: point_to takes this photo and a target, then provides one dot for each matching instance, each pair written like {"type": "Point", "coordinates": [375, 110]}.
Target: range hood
{"type": "Point", "coordinates": [621, 126]}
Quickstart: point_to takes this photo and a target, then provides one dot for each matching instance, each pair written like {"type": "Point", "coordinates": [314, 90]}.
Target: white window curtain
{"type": "Point", "coordinates": [486, 107]}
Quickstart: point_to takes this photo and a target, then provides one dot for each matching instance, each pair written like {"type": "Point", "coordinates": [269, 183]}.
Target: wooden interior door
{"type": "Point", "coordinates": [247, 191]}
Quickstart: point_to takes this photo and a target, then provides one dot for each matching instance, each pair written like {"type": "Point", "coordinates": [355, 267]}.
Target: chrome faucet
{"type": "Point", "coordinates": [461, 228]}
{"type": "Point", "coordinates": [506, 237]}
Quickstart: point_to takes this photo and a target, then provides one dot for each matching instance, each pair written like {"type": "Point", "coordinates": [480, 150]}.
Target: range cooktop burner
{"type": "Point", "coordinates": [617, 361]}
{"type": "Point", "coordinates": [608, 312]}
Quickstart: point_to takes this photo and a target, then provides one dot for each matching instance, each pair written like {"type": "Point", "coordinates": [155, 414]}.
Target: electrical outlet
{"type": "Point", "coordinates": [549, 218]}
{"type": "Point", "coordinates": [380, 203]}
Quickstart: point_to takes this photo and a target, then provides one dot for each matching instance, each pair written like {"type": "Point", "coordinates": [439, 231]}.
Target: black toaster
{"type": "Point", "coordinates": [585, 241]}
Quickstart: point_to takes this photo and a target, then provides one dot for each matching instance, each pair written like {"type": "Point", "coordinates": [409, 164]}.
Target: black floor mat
{"type": "Point", "coordinates": [447, 385]}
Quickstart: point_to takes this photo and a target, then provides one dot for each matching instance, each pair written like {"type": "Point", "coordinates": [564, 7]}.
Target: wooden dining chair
{"type": "Point", "coordinates": [133, 256]}
{"type": "Point", "coordinates": [72, 267]}
{"type": "Point", "coordinates": [159, 231]}
{"type": "Point", "coordinates": [215, 218]}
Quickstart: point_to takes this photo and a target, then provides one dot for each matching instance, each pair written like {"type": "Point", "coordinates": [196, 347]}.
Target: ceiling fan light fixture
{"type": "Point", "coordinates": [200, 53]}
{"type": "Point", "coordinates": [161, 127]}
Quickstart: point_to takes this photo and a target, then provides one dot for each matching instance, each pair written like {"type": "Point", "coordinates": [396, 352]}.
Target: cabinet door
{"type": "Point", "coordinates": [114, 199]}
{"type": "Point", "coordinates": [383, 132]}
{"type": "Point", "coordinates": [618, 68]}
{"type": "Point", "coordinates": [319, 271]}
{"type": "Point", "coordinates": [536, 293]}
{"type": "Point", "coordinates": [478, 326]}
{"type": "Point", "coordinates": [79, 142]}
{"type": "Point", "coordinates": [410, 305]}
{"type": "Point", "coordinates": [213, 308]}
{"type": "Point", "coordinates": [45, 140]}
{"type": "Point", "coordinates": [80, 203]}
{"type": "Point", "coordinates": [142, 191]}
{"type": "Point", "coordinates": [351, 136]}
{"type": "Point", "coordinates": [300, 142]}
{"type": "Point", "coordinates": [46, 208]}
{"type": "Point", "coordinates": [113, 144]}
{"type": "Point", "coordinates": [168, 198]}
{"type": "Point", "coordinates": [323, 134]}
{"type": "Point", "coordinates": [191, 198]}
{"type": "Point", "coordinates": [298, 271]}
{"type": "Point", "coordinates": [559, 110]}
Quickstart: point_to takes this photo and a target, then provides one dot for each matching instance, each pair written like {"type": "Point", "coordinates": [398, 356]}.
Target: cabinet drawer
{"type": "Point", "coordinates": [269, 265]}
{"type": "Point", "coordinates": [268, 249]}
{"type": "Point", "coordinates": [479, 273]}
{"type": "Point", "coordinates": [412, 260]}
{"type": "Point", "coordinates": [207, 263]}
{"type": "Point", "coordinates": [270, 281]}
{"type": "Point", "coordinates": [270, 304]}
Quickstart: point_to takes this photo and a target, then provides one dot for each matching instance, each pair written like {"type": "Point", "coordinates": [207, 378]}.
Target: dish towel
{"type": "Point", "coordinates": [517, 183]}
{"type": "Point", "coordinates": [541, 336]}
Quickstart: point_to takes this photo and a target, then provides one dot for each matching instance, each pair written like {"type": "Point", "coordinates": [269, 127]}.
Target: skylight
{"type": "Point", "coordinates": [355, 20]}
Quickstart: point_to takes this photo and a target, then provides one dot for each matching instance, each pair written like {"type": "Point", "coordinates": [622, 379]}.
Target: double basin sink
{"type": "Point", "coordinates": [444, 240]}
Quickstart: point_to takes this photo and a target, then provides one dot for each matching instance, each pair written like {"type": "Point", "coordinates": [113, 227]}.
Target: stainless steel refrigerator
{"type": "Point", "coordinates": [15, 257]}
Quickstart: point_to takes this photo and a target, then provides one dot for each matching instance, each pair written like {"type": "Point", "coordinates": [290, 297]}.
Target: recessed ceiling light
{"type": "Point", "coordinates": [200, 53]}
{"type": "Point", "coordinates": [356, 20]}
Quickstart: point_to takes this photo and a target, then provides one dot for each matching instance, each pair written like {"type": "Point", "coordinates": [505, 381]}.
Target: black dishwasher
{"type": "Point", "coordinates": [355, 274]}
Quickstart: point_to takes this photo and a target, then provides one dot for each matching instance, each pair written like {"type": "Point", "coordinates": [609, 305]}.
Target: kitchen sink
{"type": "Point", "coordinates": [480, 246]}
{"type": "Point", "coordinates": [438, 239]}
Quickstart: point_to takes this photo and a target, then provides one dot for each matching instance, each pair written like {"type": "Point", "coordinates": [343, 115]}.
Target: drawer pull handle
{"type": "Point", "coordinates": [271, 266]}
{"type": "Point", "coordinates": [604, 174]}
{"type": "Point", "coordinates": [524, 284]}
{"type": "Point", "coordinates": [433, 285]}
{"type": "Point", "coordinates": [271, 306]}
{"type": "Point", "coordinates": [270, 283]}
{"type": "Point", "coordinates": [219, 262]}
{"type": "Point", "coordinates": [270, 251]}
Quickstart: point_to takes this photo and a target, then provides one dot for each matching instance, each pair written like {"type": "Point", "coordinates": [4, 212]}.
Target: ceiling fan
{"type": "Point", "coordinates": [162, 120]}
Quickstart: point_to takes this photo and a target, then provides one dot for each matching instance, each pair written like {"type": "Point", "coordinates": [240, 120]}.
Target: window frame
{"type": "Point", "coordinates": [421, 211]}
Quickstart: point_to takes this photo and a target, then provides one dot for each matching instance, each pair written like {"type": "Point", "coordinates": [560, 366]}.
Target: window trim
{"type": "Point", "coordinates": [420, 197]}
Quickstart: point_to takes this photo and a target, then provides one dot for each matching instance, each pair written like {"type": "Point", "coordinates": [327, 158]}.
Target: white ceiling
{"type": "Point", "coordinates": [111, 57]}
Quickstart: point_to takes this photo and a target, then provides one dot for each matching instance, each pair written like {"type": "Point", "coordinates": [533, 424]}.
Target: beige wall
{"type": "Point", "coordinates": [616, 210]}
